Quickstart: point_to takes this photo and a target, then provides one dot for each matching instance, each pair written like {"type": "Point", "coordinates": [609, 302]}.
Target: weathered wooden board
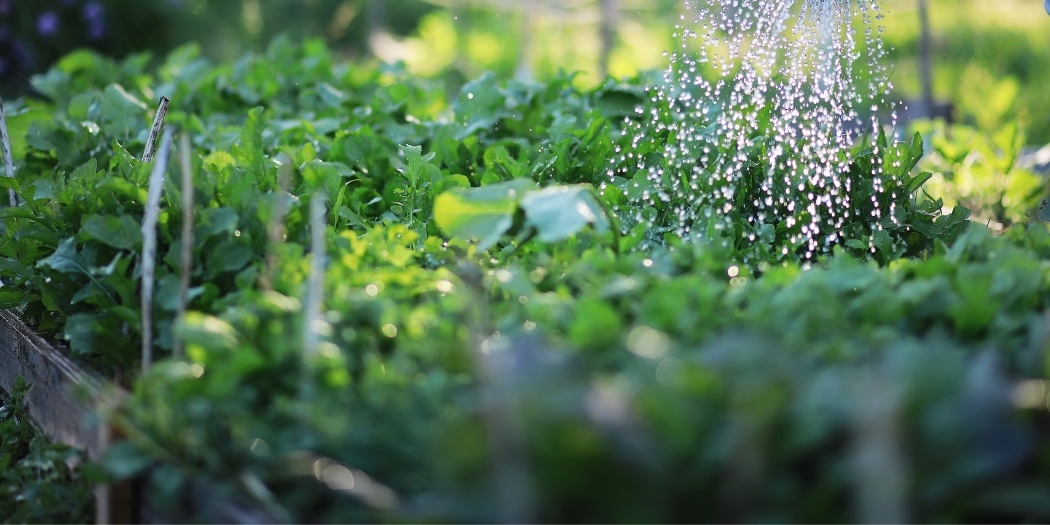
{"type": "Point", "coordinates": [61, 402]}
{"type": "Point", "coordinates": [52, 402]}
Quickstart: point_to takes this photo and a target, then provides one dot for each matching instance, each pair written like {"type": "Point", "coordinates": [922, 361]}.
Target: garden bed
{"type": "Point", "coordinates": [483, 312]}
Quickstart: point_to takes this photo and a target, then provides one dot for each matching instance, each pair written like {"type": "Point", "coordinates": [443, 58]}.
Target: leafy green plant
{"type": "Point", "coordinates": [38, 479]}
{"type": "Point", "coordinates": [979, 170]}
{"type": "Point", "coordinates": [501, 302]}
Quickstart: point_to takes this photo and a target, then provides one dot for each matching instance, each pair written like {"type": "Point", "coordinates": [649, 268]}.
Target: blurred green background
{"type": "Point", "coordinates": [991, 58]}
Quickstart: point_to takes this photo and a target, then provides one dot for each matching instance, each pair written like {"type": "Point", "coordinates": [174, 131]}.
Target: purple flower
{"type": "Point", "coordinates": [47, 24]}
{"type": "Point", "coordinates": [5, 7]}
{"type": "Point", "coordinates": [93, 11]}
{"type": "Point", "coordinates": [95, 14]}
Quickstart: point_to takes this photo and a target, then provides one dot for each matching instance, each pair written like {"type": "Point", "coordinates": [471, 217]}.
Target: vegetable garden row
{"type": "Point", "coordinates": [398, 310]}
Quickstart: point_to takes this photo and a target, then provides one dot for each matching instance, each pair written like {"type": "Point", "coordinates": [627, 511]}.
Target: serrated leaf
{"type": "Point", "coordinates": [249, 151]}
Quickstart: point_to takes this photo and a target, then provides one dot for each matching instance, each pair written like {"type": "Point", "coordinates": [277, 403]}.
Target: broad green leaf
{"type": "Point", "coordinates": [447, 183]}
{"type": "Point", "coordinates": [207, 332]}
{"type": "Point", "coordinates": [10, 299]}
{"type": "Point", "coordinates": [324, 176]}
{"type": "Point", "coordinates": [17, 129]}
{"type": "Point", "coordinates": [559, 212]}
{"type": "Point", "coordinates": [123, 232]}
{"type": "Point", "coordinates": [124, 460]}
{"type": "Point", "coordinates": [168, 290]}
{"type": "Point", "coordinates": [122, 113]}
{"type": "Point", "coordinates": [10, 183]}
{"type": "Point", "coordinates": [65, 259]}
{"type": "Point", "coordinates": [229, 256]}
{"type": "Point", "coordinates": [485, 213]}
{"type": "Point", "coordinates": [215, 221]}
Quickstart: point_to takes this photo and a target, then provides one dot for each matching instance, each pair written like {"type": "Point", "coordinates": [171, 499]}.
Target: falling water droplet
{"type": "Point", "coordinates": [762, 106]}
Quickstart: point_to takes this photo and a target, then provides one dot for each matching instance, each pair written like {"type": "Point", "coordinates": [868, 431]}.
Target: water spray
{"type": "Point", "coordinates": [765, 100]}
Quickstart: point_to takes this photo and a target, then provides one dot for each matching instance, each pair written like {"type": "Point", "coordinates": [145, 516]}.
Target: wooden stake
{"type": "Point", "coordinates": [158, 123]}
{"type": "Point", "coordinates": [149, 247]}
{"type": "Point", "coordinates": [275, 228]}
{"type": "Point", "coordinates": [315, 281]}
{"type": "Point", "coordinates": [9, 161]}
{"type": "Point", "coordinates": [186, 269]}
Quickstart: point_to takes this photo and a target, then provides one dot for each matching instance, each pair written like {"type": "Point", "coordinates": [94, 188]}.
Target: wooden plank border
{"type": "Point", "coordinates": [62, 402]}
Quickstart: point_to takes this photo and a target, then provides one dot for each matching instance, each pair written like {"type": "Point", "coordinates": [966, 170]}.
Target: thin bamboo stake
{"type": "Point", "coordinates": [9, 161]}
{"type": "Point", "coordinates": [186, 267]}
{"type": "Point", "coordinates": [103, 500]}
{"type": "Point", "coordinates": [149, 247]}
{"type": "Point", "coordinates": [315, 281]}
{"type": "Point", "coordinates": [881, 475]}
{"type": "Point", "coordinates": [275, 228]}
{"type": "Point", "coordinates": [513, 481]}
{"type": "Point", "coordinates": [154, 132]}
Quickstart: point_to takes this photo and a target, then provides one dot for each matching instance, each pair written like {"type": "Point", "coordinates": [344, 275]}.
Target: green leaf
{"type": "Point", "coordinates": [559, 212]}
{"type": "Point", "coordinates": [857, 244]}
{"type": "Point", "coordinates": [11, 299]}
{"type": "Point", "coordinates": [168, 289]}
{"type": "Point", "coordinates": [596, 325]}
{"type": "Point", "coordinates": [322, 175]}
{"type": "Point", "coordinates": [17, 129]}
{"type": "Point", "coordinates": [485, 213]}
{"type": "Point", "coordinates": [249, 151]}
{"type": "Point", "coordinates": [354, 219]}
{"type": "Point", "coordinates": [420, 167]}
{"type": "Point", "coordinates": [917, 182]}
{"type": "Point", "coordinates": [229, 256]}
{"type": "Point", "coordinates": [123, 232]}
{"type": "Point", "coordinates": [447, 183]}
{"type": "Point", "coordinates": [10, 183]}
{"type": "Point", "coordinates": [123, 460]}
{"type": "Point", "coordinates": [65, 259]}
{"type": "Point", "coordinates": [208, 332]}
{"type": "Point", "coordinates": [215, 221]}
{"type": "Point", "coordinates": [122, 113]}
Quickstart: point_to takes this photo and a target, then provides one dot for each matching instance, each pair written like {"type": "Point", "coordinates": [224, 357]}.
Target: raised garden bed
{"type": "Point", "coordinates": [463, 316]}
